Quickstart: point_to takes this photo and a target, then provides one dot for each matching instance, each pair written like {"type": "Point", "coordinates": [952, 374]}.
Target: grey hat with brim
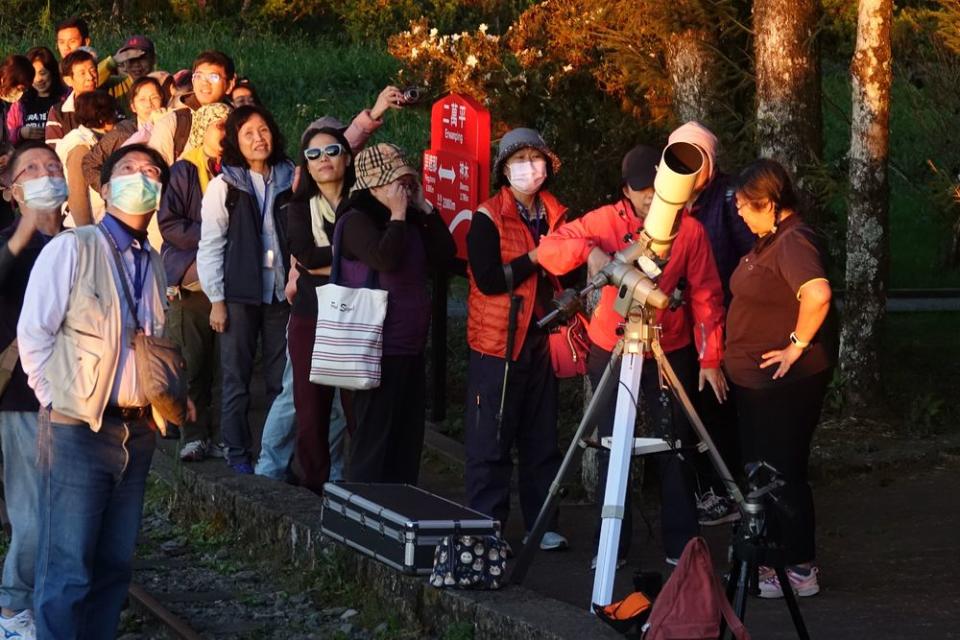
{"type": "Point", "coordinates": [325, 122]}
{"type": "Point", "coordinates": [523, 138]}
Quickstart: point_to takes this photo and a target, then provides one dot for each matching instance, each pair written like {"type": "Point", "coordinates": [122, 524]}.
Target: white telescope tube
{"type": "Point", "coordinates": [676, 176]}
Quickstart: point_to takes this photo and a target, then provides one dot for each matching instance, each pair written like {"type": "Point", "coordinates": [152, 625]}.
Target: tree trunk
{"type": "Point", "coordinates": [691, 67]}
{"type": "Point", "coordinates": [789, 122]}
{"type": "Point", "coordinates": [116, 12]}
{"type": "Point", "coordinates": [867, 255]}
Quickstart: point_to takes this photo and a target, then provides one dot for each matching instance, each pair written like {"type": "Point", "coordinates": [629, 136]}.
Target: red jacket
{"type": "Point", "coordinates": [615, 226]}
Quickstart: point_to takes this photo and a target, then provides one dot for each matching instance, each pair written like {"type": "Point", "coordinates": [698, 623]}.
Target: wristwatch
{"type": "Point", "coordinates": [797, 341]}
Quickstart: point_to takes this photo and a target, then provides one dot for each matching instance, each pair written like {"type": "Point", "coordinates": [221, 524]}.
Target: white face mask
{"type": "Point", "coordinates": [135, 194]}
{"type": "Point", "coordinates": [528, 176]}
{"type": "Point", "coordinates": [44, 193]}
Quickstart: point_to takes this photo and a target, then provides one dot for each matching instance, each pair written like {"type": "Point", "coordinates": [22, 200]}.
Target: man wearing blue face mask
{"type": "Point", "coordinates": [93, 288]}
{"type": "Point", "coordinates": [34, 178]}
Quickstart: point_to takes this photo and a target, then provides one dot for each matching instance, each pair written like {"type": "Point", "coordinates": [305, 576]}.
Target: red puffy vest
{"type": "Point", "coordinates": [487, 316]}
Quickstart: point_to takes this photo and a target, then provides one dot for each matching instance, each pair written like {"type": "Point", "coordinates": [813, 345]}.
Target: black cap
{"type": "Point", "coordinates": [639, 166]}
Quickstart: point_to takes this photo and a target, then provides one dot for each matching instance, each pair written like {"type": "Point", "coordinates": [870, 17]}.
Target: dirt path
{"type": "Point", "coordinates": [889, 549]}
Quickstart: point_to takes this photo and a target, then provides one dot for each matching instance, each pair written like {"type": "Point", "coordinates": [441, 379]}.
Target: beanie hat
{"type": "Point", "coordinates": [697, 134]}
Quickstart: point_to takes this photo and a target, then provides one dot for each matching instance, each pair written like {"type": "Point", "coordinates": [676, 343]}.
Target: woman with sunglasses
{"type": "Point", "coordinates": [242, 266]}
{"type": "Point", "coordinates": [326, 175]}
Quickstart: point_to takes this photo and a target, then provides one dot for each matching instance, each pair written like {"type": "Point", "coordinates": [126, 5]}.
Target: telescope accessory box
{"type": "Point", "coordinates": [398, 524]}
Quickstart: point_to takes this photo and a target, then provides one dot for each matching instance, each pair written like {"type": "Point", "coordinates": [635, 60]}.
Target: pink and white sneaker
{"type": "Point", "coordinates": [803, 585]}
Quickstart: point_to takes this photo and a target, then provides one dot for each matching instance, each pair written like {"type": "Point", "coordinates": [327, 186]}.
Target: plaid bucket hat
{"type": "Point", "coordinates": [379, 165]}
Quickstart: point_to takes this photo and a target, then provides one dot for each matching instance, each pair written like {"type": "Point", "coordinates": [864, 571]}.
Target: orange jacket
{"type": "Point", "coordinates": [615, 226]}
{"type": "Point", "coordinates": [487, 316]}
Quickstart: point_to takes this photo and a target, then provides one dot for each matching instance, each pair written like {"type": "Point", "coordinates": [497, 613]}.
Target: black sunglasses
{"type": "Point", "coordinates": [330, 150]}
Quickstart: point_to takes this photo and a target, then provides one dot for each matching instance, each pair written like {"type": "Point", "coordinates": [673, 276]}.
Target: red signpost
{"type": "Point", "coordinates": [456, 167]}
{"type": "Point", "coordinates": [456, 179]}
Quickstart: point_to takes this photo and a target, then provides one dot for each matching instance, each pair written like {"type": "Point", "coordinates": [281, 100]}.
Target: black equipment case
{"type": "Point", "coordinates": [398, 524]}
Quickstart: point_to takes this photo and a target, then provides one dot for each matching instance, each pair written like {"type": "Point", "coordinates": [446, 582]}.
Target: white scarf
{"type": "Point", "coordinates": [320, 210]}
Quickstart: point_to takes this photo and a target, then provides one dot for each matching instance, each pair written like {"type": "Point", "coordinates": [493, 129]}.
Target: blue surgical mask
{"type": "Point", "coordinates": [135, 194]}
{"type": "Point", "coordinates": [44, 194]}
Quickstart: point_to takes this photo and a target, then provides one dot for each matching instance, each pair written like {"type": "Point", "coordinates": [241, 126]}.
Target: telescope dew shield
{"type": "Point", "coordinates": [676, 176]}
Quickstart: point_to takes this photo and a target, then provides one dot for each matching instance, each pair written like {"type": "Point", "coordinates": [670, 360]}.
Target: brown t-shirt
{"type": "Point", "coordinates": [764, 308]}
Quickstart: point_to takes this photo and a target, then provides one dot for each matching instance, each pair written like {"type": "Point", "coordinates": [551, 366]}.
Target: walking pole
{"type": "Point", "coordinates": [515, 302]}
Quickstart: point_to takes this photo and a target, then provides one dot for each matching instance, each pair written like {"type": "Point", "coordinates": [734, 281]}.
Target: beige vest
{"type": "Point", "coordinates": [86, 351]}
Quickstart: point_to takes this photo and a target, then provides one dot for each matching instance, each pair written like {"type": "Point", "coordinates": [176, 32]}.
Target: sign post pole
{"type": "Point", "coordinates": [456, 179]}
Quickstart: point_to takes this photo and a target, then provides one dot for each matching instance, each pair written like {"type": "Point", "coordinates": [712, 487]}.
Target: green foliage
{"type": "Point", "coordinates": [459, 631]}
{"type": "Point", "coordinates": [921, 364]}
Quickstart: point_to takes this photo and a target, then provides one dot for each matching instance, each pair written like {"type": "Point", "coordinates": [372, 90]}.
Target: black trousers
{"type": "Point", "coordinates": [529, 420]}
{"type": "Point", "coordinates": [776, 426]}
{"type": "Point", "coordinates": [188, 324]}
{"type": "Point", "coordinates": [720, 419]}
{"type": "Point", "coordinates": [238, 347]}
{"type": "Point", "coordinates": [665, 418]}
{"type": "Point", "coordinates": [388, 439]}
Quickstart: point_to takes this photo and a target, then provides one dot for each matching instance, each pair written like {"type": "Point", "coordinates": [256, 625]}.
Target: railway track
{"type": "Point", "coordinates": [148, 604]}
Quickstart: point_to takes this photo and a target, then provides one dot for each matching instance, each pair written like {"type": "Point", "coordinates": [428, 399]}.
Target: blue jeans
{"type": "Point", "coordinates": [279, 431]}
{"type": "Point", "coordinates": [338, 428]}
{"type": "Point", "coordinates": [91, 500]}
{"type": "Point", "coordinates": [21, 486]}
{"type": "Point", "coordinates": [277, 441]}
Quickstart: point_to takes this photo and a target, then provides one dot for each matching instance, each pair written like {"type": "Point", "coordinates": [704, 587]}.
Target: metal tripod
{"type": "Point", "coordinates": [752, 548]}
{"type": "Point", "coordinates": [641, 336]}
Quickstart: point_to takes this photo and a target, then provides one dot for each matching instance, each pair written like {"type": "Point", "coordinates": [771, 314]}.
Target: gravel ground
{"type": "Point", "coordinates": [222, 595]}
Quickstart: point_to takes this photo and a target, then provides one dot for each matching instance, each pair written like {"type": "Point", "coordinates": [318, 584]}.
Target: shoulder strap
{"type": "Point", "coordinates": [9, 357]}
{"type": "Point", "coordinates": [121, 273]}
{"type": "Point", "coordinates": [182, 131]}
{"type": "Point", "coordinates": [373, 278]}
{"type": "Point", "coordinates": [734, 623]}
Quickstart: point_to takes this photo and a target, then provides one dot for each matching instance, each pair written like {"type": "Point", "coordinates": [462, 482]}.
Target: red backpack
{"type": "Point", "coordinates": [692, 603]}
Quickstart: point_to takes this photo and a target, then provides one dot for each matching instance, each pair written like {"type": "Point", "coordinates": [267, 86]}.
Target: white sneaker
{"type": "Point", "coordinates": [551, 541]}
{"type": "Point", "coordinates": [19, 627]}
{"type": "Point", "coordinates": [194, 451]}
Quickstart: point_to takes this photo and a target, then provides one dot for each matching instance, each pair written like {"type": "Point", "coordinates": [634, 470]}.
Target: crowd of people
{"type": "Point", "coordinates": [145, 202]}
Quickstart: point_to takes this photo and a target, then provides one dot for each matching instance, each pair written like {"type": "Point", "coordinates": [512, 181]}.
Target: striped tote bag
{"type": "Point", "coordinates": [348, 345]}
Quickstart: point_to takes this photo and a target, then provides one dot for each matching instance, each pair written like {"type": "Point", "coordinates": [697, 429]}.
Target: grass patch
{"type": "Point", "coordinates": [921, 368]}
{"type": "Point", "coordinates": [299, 77]}
{"type": "Point", "coordinates": [227, 551]}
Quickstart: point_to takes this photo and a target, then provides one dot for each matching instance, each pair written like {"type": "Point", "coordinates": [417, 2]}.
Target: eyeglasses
{"type": "Point", "coordinates": [330, 150]}
{"type": "Point", "coordinates": [212, 77]}
{"type": "Point", "coordinates": [52, 167]}
{"type": "Point", "coordinates": [149, 170]}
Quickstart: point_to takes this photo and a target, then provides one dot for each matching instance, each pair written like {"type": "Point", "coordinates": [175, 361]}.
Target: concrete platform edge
{"type": "Point", "coordinates": [287, 519]}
